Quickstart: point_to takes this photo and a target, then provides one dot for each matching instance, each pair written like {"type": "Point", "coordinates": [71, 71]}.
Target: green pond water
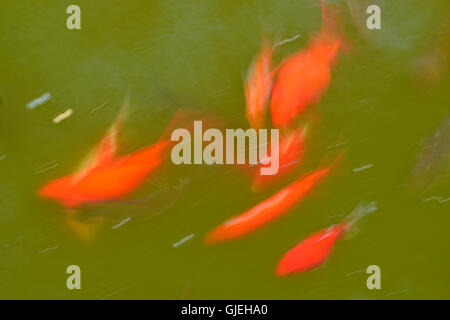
{"type": "Point", "coordinates": [176, 54]}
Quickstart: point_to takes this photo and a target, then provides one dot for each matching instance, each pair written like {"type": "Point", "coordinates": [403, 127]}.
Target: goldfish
{"type": "Point", "coordinates": [270, 209]}
{"type": "Point", "coordinates": [305, 75]}
{"type": "Point", "coordinates": [316, 248]}
{"type": "Point", "coordinates": [104, 176]}
{"type": "Point", "coordinates": [291, 152]}
{"type": "Point", "coordinates": [257, 87]}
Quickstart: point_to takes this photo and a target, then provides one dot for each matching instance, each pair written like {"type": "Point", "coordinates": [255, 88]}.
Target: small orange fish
{"type": "Point", "coordinates": [257, 87]}
{"type": "Point", "coordinates": [105, 177]}
{"type": "Point", "coordinates": [291, 152]}
{"type": "Point", "coordinates": [305, 75]}
{"type": "Point", "coordinates": [311, 252]}
{"type": "Point", "coordinates": [269, 209]}
{"type": "Point", "coordinates": [316, 248]}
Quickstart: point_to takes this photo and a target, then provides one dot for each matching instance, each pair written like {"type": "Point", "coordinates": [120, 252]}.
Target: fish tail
{"type": "Point", "coordinates": [333, 24]}
{"type": "Point", "coordinates": [359, 212]}
{"type": "Point", "coordinates": [108, 145]}
{"type": "Point", "coordinates": [332, 18]}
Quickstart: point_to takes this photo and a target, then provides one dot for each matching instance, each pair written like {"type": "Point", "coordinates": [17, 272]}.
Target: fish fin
{"type": "Point", "coordinates": [84, 230]}
{"type": "Point", "coordinates": [108, 145]}
{"type": "Point", "coordinates": [359, 212]}
{"type": "Point", "coordinates": [106, 149]}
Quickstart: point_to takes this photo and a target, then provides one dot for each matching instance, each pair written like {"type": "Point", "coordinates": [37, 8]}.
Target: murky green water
{"type": "Point", "coordinates": [174, 54]}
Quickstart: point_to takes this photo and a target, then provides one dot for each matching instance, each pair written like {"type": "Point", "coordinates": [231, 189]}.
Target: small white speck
{"type": "Point", "coordinates": [355, 272]}
{"type": "Point", "coordinates": [367, 166]}
{"type": "Point", "coordinates": [176, 244]}
{"type": "Point", "coordinates": [63, 116]}
{"type": "Point", "coordinates": [47, 250]}
{"type": "Point", "coordinates": [432, 198]}
{"type": "Point", "coordinates": [121, 223]}
{"type": "Point", "coordinates": [396, 292]}
{"type": "Point", "coordinates": [39, 101]}
{"type": "Point", "coordinates": [97, 108]}
{"type": "Point", "coordinates": [331, 146]}
{"type": "Point", "coordinates": [336, 216]}
{"type": "Point", "coordinates": [288, 40]}
{"type": "Point", "coordinates": [45, 167]}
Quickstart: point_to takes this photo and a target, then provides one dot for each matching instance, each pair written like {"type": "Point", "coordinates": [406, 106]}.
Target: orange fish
{"type": "Point", "coordinates": [291, 151]}
{"type": "Point", "coordinates": [305, 75]}
{"type": "Point", "coordinates": [316, 248]}
{"type": "Point", "coordinates": [106, 177]}
{"type": "Point", "coordinates": [268, 210]}
{"type": "Point", "coordinates": [257, 87]}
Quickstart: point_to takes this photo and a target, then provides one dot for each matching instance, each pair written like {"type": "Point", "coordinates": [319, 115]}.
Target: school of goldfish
{"type": "Point", "coordinates": [284, 93]}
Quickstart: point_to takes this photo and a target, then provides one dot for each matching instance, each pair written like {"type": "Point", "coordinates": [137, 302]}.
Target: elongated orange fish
{"type": "Point", "coordinates": [268, 210]}
{"type": "Point", "coordinates": [291, 152]}
{"type": "Point", "coordinates": [257, 87]}
{"type": "Point", "coordinates": [105, 177]}
{"type": "Point", "coordinates": [305, 75]}
{"type": "Point", "coordinates": [316, 248]}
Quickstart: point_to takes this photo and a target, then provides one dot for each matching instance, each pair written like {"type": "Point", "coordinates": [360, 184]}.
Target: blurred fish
{"type": "Point", "coordinates": [257, 86]}
{"type": "Point", "coordinates": [270, 209]}
{"type": "Point", "coordinates": [291, 152]}
{"type": "Point", "coordinates": [105, 177]}
{"type": "Point", "coordinates": [305, 75]}
{"type": "Point", "coordinates": [432, 65]}
{"type": "Point", "coordinates": [433, 158]}
{"type": "Point", "coordinates": [317, 247]}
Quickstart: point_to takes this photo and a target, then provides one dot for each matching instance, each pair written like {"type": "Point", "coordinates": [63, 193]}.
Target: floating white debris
{"type": "Point", "coordinates": [331, 146]}
{"type": "Point", "coordinates": [397, 292]}
{"type": "Point", "coordinates": [432, 198]}
{"type": "Point", "coordinates": [97, 108]}
{"type": "Point", "coordinates": [39, 101]}
{"type": "Point", "coordinates": [121, 223]}
{"type": "Point", "coordinates": [288, 40]}
{"type": "Point", "coordinates": [2, 156]}
{"type": "Point", "coordinates": [367, 166]}
{"type": "Point", "coordinates": [176, 244]}
{"type": "Point", "coordinates": [356, 272]}
{"type": "Point", "coordinates": [63, 116]}
{"type": "Point", "coordinates": [47, 166]}
{"type": "Point", "coordinates": [439, 199]}
{"type": "Point", "coordinates": [47, 250]}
